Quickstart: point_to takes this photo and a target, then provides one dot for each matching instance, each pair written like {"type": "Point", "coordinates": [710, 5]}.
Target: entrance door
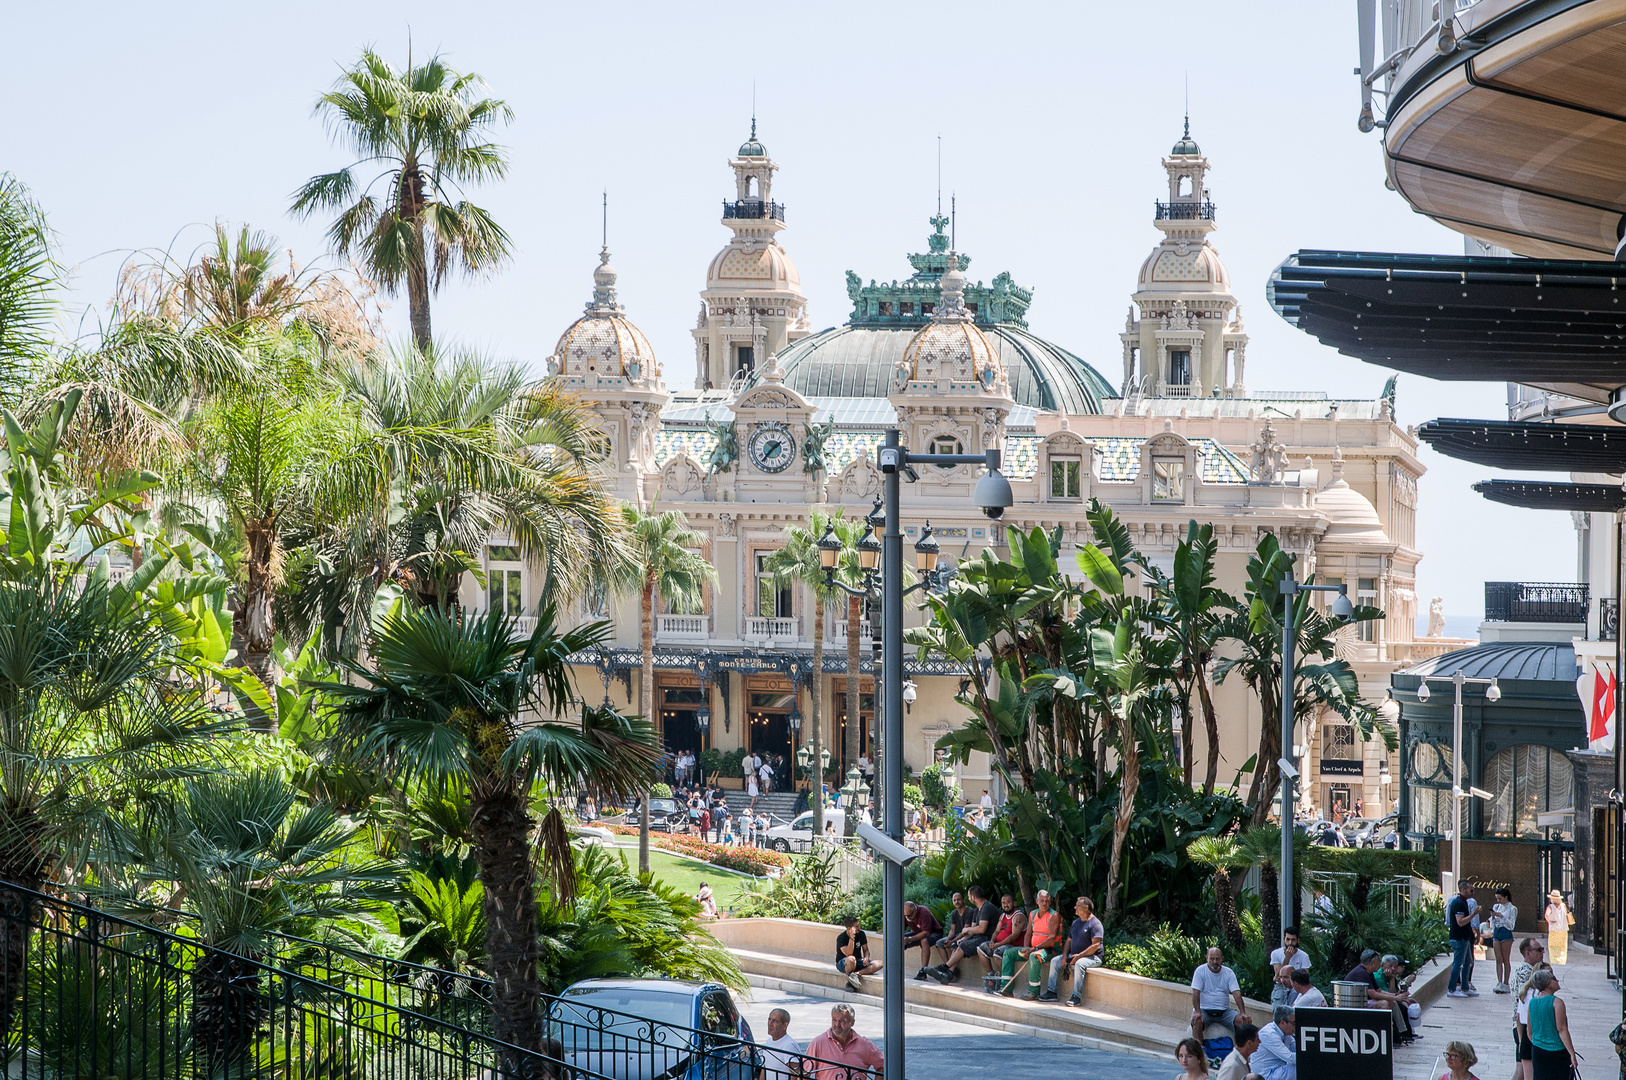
{"type": "Point", "coordinates": [680, 723]}
{"type": "Point", "coordinates": [768, 716]}
{"type": "Point", "coordinates": [866, 714]}
{"type": "Point", "coordinates": [1339, 802]}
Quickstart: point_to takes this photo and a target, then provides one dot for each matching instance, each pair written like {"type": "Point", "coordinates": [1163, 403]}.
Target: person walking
{"type": "Point", "coordinates": [1552, 1053]}
{"type": "Point", "coordinates": [1559, 921]}
{"type": "Point", "coordinates": [1459, 918]}
{"type": "Point", "coordinates": [1459, 1060]}
{"type": "Point", "coordinates": [751, 788]}
{"type": "Point", "coordinates": [1503, 916]}
{"type": "Point", "coordinates": [719, 819]}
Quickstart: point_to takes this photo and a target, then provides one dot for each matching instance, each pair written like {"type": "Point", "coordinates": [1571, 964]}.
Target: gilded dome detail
{"type": "Point", "coordinates": [604, 343]}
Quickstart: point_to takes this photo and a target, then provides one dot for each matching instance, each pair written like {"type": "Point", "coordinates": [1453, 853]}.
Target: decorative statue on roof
{"type": "Point", "coordinates": [727, 450]}
{"type": "Point", "coordinates": [1269, 457]}
{"type": "Point", "coordinates": [813, 446]}
{"type": "Point", "coordinates": [1436, 617]}
{"type": "Point", "coordinates": [855, 286]}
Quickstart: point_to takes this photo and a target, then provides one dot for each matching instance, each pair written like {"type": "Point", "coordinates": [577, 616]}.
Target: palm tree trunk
{"type": "Point", "coordinates": [17, 912]}
{"type": "Point", "coordinates": [646, 690]}
{"type": "Point", "coordinates": [1267, 775]}
{"type": "Point", "coordinates": [1186, 740]}
{"type": "Point", "coordinates": [228, 1007]}
{"type": "Point", "coordinates": [417, 275]}
{"type": "Point", "coordinates": [1225, 907]}
{"type": "Point", "coordinates": [1270, 912]}
{"type": "Point", "coordinates": [855, 630]}
{"type": "Point", "coordinates": [500, 826]}
{"type": "Point", "coordinates": [259, 629]}
{"type": "Point", "coordinates": [1211, 725]}
{"type": "Point", "coordinates": [817, 695]}
{"type": "Point", "coordinates": [1128, 787]}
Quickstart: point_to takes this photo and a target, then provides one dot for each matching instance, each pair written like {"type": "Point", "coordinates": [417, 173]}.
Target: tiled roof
{"type": "Point", "coordinates": [699, 442]}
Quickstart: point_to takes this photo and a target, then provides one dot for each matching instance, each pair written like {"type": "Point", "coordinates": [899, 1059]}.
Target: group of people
{"type": "Point", "coordinates": [710, 816]}
{"type": "Point", "coordinates": [1468, 926]}
{"type": "Point", "coordinates": [1009, 941]}
{"type": "Point", "coordinates": [839, 1053]}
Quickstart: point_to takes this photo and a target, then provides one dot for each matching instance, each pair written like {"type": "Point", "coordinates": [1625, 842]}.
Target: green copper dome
{"type": "Point", "coordinates": [752, 148]}
{"type": "Point", "coordinates": [1186, 147]}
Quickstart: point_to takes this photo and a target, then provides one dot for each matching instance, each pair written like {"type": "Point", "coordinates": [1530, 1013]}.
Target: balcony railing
{"type": "Point", "coordinates": [1536, 601]}
{"type": "Point", "coordinates": [1185, 211]}
{"type": "Point", "coordinates": [1608, 618]}
{"type": "Point", "coordinates": [1176, 389]}
{"type": "Point", "coordinates": [771, 629]}
{"type": "Point", "coordinates": [687, 627]}
{"type": "Point", "coordinates": [837, 634]}
{"type": "Point", "coordinates": [753, 208]}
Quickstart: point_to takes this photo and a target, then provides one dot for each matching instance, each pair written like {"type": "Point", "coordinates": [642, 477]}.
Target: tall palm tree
{"type": "Point", "coordinates": [28, 280]}
{"type": "Point", "coordinates": [1222, 855]}
{"type": "Point", "coordinates": [424, 131]}
{"type": "Point", "coordinates": [663, 570]}
{"type": "Point", "coordinates": [850, 532]}
{"type": "Point", "coordinates": [798, 561]}
{"type": "Point", "coordinates": [457, 701]}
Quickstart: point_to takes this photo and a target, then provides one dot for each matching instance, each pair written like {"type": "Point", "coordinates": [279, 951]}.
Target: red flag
{"type": "Point", "coordinates": [1603, 702]}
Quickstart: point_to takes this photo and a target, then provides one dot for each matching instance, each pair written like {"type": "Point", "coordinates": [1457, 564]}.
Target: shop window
{"type": "Point", "coordinates": [1527, 781]}
{"type": "Point", "coordinates": [1169, 479]}
{"type": "Point", "coordinates": [1431, 789]}
{"type": "Point", "coordinates": [1065, 477]}
{"type": "Point", "coordinates": [773, 597]}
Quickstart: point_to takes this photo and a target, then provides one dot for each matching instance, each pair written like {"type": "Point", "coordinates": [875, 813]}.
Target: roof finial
{"type": "Point", "coordinates": [939, 174]}
{"type": "Point", "coordinates": [953, 215]}
{"type": "Point", "coordinates": [606, 226]}
{"type": "Point", "coordinates": [753, 108]}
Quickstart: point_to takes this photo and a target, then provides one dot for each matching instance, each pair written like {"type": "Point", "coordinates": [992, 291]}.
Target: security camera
{"type": "Point", "coordinates": [884, 846]}
{"type": "Point", "coordinates": [993, 492]}
{"type": "Point", "coordinates": [1287, 769]}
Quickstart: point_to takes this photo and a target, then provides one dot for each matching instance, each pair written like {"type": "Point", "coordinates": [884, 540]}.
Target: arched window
{"type": "Point", "coordinates": [1185, 185]}
{"type": "Point", "coordinates": [1526, 780]}
{"type": "Point", "coordinates": [1431, 789]}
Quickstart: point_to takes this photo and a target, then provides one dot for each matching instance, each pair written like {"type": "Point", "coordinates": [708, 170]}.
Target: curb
{"type": "Point", "coordinates": [1089, 1042]}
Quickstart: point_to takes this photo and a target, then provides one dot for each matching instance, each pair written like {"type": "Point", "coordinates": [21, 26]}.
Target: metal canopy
{"type": "Point", "coordinates": [1505, 444]}
{"type": "Point", "coordinates": [1554, 495]}
{"type": "Point", "coordinates": [1543, 322]}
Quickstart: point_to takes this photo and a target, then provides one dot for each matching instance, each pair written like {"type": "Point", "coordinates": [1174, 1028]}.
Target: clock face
{"type": "Point", "coordinates": [772, 448]}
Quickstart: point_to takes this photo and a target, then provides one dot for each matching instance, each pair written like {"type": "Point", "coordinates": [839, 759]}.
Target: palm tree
{"type": "Point", "coordinates": [426, 128]}
{"type": "Point", "coordinates": [238, 285]}
{"type": "Point", "coordinates": [1261, 846]}
{"type": "Point", "coordinates": [455, 701]}
{"type": "Point", "coordinates": [28, 278]}
{"type": "Point", "coordinates": [798, 561]}
{"type": "Point", "coordinates": [243, 855]}
{"type": "Point", "coordinates": [1222, 855]}
{"type": "Point", "coordinates": [664, 570]}
{"type": "Point", "coordinates": [848, 570]}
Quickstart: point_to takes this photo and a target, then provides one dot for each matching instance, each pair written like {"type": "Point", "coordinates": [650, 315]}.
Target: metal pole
{"type": "Point", "coordinates": [1284, 885]}
{"type": "Point", "coordinates": [892, 760]}
{"type": "Point", "coordinates": [1456, 783]}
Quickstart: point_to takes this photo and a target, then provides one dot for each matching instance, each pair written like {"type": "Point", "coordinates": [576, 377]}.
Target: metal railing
{"type": "Point", "coordinates": [1536, 601]}
{"type": "Point", "coordinates": [1608, 618]}
{"type": "Point", "coordinates": [1185, 211]}
{"type": "Point", "coordinates": [753, 208]}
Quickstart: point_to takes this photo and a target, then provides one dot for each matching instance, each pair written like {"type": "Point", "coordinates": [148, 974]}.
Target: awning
{"type": "Point", "coordinates": [1505, 444]}
{"type": "Point", "coordinates": [1549, 323]}
{"type": "Point", "coordinates": [1554, 495]}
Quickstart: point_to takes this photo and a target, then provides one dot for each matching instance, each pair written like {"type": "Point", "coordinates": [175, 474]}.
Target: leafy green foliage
{"type": "Point", "coordinates": [105, 1013]}
{"type": "Point", "coordinates": [810, 890]}
{"type": "Point", "coordinates": [934, 790]}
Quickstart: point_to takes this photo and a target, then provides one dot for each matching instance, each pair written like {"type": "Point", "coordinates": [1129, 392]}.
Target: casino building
{"type": "Point", "coordinates": [783, 418]}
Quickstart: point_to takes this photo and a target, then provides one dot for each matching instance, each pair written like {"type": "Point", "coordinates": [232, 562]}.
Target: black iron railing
{"type": "Point", "coordinates": [753, 208]}
{"type": "Point", "coordinates": [1182, 211]}
{"type": "Point", "coordinates": [1608, 618]}
{"type": "Point", "coordinates": [1536, 601]}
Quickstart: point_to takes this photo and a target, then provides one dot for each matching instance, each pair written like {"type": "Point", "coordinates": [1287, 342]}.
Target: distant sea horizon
{"type": "Point", "coordinates": [1456, 626]}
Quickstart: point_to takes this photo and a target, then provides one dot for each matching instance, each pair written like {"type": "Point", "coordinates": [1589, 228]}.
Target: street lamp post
{"type": "Point", "coordinates": [1493, 692]}
{"type": "Point", "coordinates": [1341, 608]}
{"type": "Point", "coordinates": [992, 495]}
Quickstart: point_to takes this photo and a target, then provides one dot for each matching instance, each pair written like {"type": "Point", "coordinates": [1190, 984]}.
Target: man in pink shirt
{"type": "Point", "coordinates": [842, 1046]}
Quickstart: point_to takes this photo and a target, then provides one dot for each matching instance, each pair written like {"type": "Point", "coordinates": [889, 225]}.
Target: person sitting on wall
{"type": "Point", "coordinates": [852, 954]}
{"type": "Point", "coordinates": [921, 928]}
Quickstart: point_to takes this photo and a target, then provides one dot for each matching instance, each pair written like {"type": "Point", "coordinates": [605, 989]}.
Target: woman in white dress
{"type": "Point", "coordinates": [751, 788]}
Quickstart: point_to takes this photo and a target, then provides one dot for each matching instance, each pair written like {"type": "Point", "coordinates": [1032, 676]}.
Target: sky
{"type": "Point", "coordinates": [138, 126]}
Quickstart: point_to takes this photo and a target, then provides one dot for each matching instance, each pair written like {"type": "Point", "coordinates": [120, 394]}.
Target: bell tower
{"type": "Point", "coordinates": [752, 305]}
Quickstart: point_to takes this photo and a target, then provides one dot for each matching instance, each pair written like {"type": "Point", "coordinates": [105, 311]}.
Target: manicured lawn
{"type": "Point", "coordinates": [686, 875]}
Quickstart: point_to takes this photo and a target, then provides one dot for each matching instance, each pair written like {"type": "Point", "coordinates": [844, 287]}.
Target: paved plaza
{"type": "Point", "coordinates": [946, 1050]}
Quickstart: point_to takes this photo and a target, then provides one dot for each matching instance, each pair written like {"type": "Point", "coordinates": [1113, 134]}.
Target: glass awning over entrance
{"type": "Point", "coordinates": [1554, 495]}
{"type": "Point", "coordinates": [1505, 444]}
{"type": "Point", "coordinates": [1555, 324]}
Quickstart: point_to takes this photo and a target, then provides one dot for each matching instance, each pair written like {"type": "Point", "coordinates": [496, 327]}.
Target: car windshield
{"type": "Point", "coordinates": [803, 822]}
{"type": "Point", "coordinates": [662, 806]}
{"type": "Point", "coordinates": [633, 1019]}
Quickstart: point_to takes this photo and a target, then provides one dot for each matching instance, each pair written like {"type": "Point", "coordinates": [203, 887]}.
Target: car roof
{"type": "Point", "coordinates": [659, 986]}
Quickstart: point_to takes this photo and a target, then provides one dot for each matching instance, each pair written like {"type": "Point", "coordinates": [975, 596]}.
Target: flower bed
{"type": "Point", "coordinates": [747, 860]}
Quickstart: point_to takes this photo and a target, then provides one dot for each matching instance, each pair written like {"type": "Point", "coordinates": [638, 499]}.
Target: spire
{"type": "Point", "coordinates": [951, 306]}
{"type": "Point", "coordinates": [604, 301]}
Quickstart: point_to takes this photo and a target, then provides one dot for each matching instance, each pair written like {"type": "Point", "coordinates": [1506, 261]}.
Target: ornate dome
{"type": "Point", "coordinates": [1353, 519]}
{"type": "Point", "coordinates": [1187, 146]}
{"type": "Point", "coordinates": [749, 266]}
{"type": "Point", "coordinates": [752, 148]}
{"type": "Point", "coordinates": [604, 343]}
{"type": "Point", "coordinates": [1196, 269]}
{"type": "Point", "coordinates": [951, 347]}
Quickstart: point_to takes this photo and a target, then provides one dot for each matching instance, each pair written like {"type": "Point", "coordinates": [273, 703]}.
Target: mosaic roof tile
{"type": "Point", "coordinates": [1120, 461]}
{"type": "Point", "coordinates": [697, 442]}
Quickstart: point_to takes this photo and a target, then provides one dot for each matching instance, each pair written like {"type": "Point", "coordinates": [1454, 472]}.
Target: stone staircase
{"type": "Point", "coordinates": [779, 806]}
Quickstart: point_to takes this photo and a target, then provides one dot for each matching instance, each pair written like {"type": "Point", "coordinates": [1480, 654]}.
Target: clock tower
{"type": "Point", "coordinates": [772, 423]}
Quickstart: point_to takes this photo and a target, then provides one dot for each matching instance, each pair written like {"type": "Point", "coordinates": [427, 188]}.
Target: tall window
{"type": "Point", "coordinates": [1065, 476]}
{"type": "Point", "coordinates": [1179, 367]}
{"type": "Point", "coordinates": [1527, 781]}
{"type": "Point", "coordinates": [773, 599]}
{"type": "Point", "coordinates": [505, 577]}
{"type": "Point", "coordinates": [1431, 789]}
{"type": "Point", "coordinates": [744, 360]}
{"type": "Point", "coordinates": [1169, 479]}
{"type": "Point", "coordinates": [1366, 595]}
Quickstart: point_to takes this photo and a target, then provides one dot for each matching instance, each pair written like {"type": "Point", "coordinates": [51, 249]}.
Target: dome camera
{"type": "Point", "coordinates": [993, 491]}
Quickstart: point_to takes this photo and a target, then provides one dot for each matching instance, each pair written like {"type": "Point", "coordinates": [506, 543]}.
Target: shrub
{"type": "Point", "coordinates": [711, 761]}
{"type": "Point", "coordinates": [912, 795]}
{"type": "Point", "coordinates": [1166, 953]}
{"type": "Point", "coordinates": [869, 894]}
{"type": "Point", "coordinates": [934, 790]}
{"type": "Point", "coordinates": [749, 860]}
{"type": "Point", "coordinates": [660, 791]}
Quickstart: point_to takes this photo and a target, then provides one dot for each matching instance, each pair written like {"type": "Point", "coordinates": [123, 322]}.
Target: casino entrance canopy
{"type": "Point", "coordinates": [1557, 325]}
{"type": "Point", "coordinates": [1506, 444]}
{"type": "Point", "coordinates": [1553, 495]}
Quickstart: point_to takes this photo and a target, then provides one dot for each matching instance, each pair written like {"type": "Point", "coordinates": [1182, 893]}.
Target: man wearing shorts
{"type": "Point", "coordinates": [921, 928]}
{"type": "Point", "coordinates": [979, 927]}
{"type": "Point", "coordinates": [852, 954]}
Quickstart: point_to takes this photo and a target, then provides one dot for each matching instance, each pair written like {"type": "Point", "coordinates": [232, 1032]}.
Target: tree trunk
{"type": "Point", "coordinates": [228, 1007]}
{"type": "Point", "coordinates": [1187, 742]}
{"type": "Point", "coordinates": [646, 690]}
{"type": "Point", "coordinates": [17, 913]}
{"type": "Point", "coordinates": [500, 826]}
{"type": "Point", "coordinates": [855, 648]}
{"type": "Point", "coordinates": [817, 695]}
{"type": "Point", "coordinates": [1205, 698]}
{"type": "Point", "coordinates": [1270, 910]}
{"type": "Point", "coordinates": [259, 628]}
{"type": "Point", "coordinates": [1128, 787]}
{"type": "Point", "coordinates": [417, 274]}
{"type": "Point", "coordinates": [1267, 774]}
{"type": "Point", "coordinates": [1225, 907]}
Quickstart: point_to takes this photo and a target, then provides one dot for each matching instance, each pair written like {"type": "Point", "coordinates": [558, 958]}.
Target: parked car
{"type": "Point", "coordinates": [1379, 833]}
{"type": "Point", "coordinates": [591, 836]}
{"type": "Point", "coordinates": [665, 815]}
{"type": "Point", "coordinates": [798, 835]}
{"type": "Point", "coordinates": [653, 1029]}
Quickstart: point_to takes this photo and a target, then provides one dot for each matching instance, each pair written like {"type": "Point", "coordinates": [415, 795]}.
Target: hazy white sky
{"type": "Point", "coordinates": [137, 125]}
